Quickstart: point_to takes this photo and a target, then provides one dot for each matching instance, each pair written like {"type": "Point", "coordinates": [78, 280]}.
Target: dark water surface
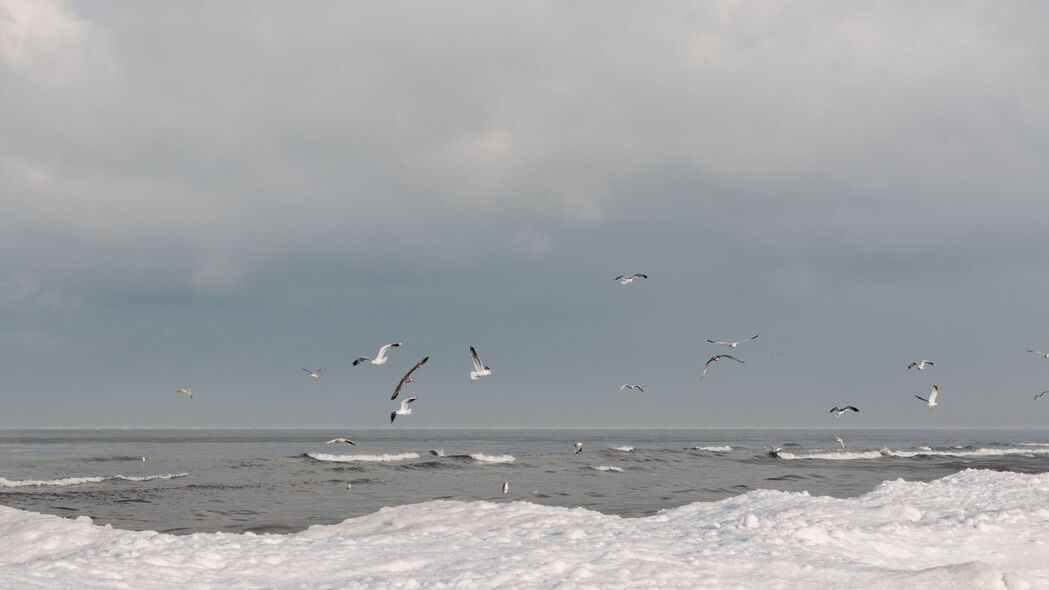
{"type": "Point", "coordinates": [266, 481]}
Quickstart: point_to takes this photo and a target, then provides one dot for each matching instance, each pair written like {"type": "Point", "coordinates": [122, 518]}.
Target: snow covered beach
{"type": "Point", "coordinates": [976, 529]}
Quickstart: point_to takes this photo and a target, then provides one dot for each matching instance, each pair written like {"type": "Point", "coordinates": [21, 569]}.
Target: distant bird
{"type": "Point", "coordinates": [840, 442]}
{"type": "Point", "coordinates": [408, 377]}
{"type": "Point", "coordinates": [839, 411]}
{"type": "Point", "coordinates": [920, 365]}
{"type": "Point", "coordinates": [480, 370]}
{"type": "Point", "coordinates": [506, 487]}
{"type": "Point", "coordinates": [404, 411]}
{"type": "Point", "coordinates": [1040, 394]}
{"type": "Point", "coordinates": [733, 344]}
{"type": "Point", "coordinates": [776, 355]}
{"type": "Point", "coordinates": [631, 386]}
{"type": "Point", "coordinates": [185, 391]}
{"type": "Point", "coordinates": [380, 359]}
{"type": "Point", "coordinates": [341, 440]}
{"type": "Point", "coordinates": [578, 447]}
{"type": "Point", "coordinates": [143, 459]}
{"type": "Point", "coordinates": [627, 279]}
{"type": "Point", "coordinates": [1044, 355]}
{"type": "Point", "coordinates": [715, 359]}
{"type": "Point", "coordinates": [931, 402]}
{"type": "Point", "coordinates": [349, 487]}
{"type": "Point", "coordinates": [315, 373]}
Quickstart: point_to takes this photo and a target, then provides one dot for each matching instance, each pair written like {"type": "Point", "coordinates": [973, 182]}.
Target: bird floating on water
{"type": "Point", "coordinates": [380, 359]}
{"type": "Point", "coordinates": [631, 386]}
{"type": "Point", "coordinates": [349, 486]}
{"type": "Point", "coordinates": [839, 411]}
{"type": "Point", "coordinates": [715, 359]}
{"type": "Point", "coordinates": [931, 402]}
{"type": "Point", "coordinates": [408, 377]}
{"type": "Point", "coordinates": [185, 391]}
{"type": "Point", "coordinates": [341, 440]}
{"type": "Point", "coordinates": [733, 343]}
{"type": "Point", "coordinates": [404, 410]}
{"type": "Point", "coordinates": [315, 373]}
{"type": "Point", "coordinates": [920, 365]}
{"type": "Point", "coordinates": [480, 369]}
{"type": "Point", "coordinates": [627, 279]}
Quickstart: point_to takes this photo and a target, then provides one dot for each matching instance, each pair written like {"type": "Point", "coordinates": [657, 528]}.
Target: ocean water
{"type": "Point", "coordinates": [283, 481]}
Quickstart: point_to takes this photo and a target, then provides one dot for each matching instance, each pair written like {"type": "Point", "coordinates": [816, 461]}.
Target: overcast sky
{"type": "Point", "coordinates": [216, 195]}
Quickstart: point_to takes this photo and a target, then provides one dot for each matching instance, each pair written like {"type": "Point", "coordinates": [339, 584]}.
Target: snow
{"type": "Point", "coordinates": [371, 458]}
{"type": "Point", "coordinates": [73, 481]}
{"type": "Point", "coordinates": [848, 455]}
{"type": "Point", "coordinates": [971, 530]}
{"type": "Point", "coordinates": [483, 458]}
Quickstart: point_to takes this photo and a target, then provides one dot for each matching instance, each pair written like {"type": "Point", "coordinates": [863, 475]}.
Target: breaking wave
{"type": "Point", "coordinates": [75, 481]}
{"type": "Point", "coordinates": [369, 458]}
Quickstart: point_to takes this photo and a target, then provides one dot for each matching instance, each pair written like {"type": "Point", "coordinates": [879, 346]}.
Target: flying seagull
{"type": "Point", "coordinates": [480, 370]}
{"type": "Point", "coordinates": [380, 359]}
{"type": "Point", "coordinates": [1044, 355]}
{"type": "Point", "coordinates": [920, 365]}
{"type": "Point", "coordinates": [506, 487]}
{"type": "Point", "coordinates": [315, 373]}
{"type": "Point", "coordinates": [840, 442]}
{"type": "Point", "coordinates": [733, 344]}
{"type": "Point", "coordinates": [578, 447]}
{"type": "Point", "coordinates": [839, 411]}
{"type": "Point", "coordinates": [1040, 394]}
{"type": "Point", "coordinates": [404, 411]}
{"type": "Point", "coordinates": [931, 402]}
{"type": "Point", "coordinates": [627, 279]}
{"type": "Point", "coordinates": [631, 386]}
{"type": "Point", "coordinates": [714, 359]}
{"type": "Point", "coordinates": [185, 391]}
{"type": "Point", "coordinates": [408, 377]}
{"type": "Point", "coordinates": [349, 487]}
{"type": "Point", "coordinates": [341, 440]}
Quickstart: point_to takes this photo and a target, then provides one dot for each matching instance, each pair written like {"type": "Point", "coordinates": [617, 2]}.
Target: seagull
{"type": "Point", "coordinates": [1041, 394]}
{"type": "Point", "coordinates": [578, 447]}
{"type": "Point", "coordinates": [404, 411]}
{"type": "Point", "coordinates": [506, 487]}
{"type": "Point", "coordinates": [714, 359]}
{"type": "Point", "coordinates": [631, 386]}
{"type": "Point", "coordinates": [143, 459]}
{"type": "Point", "coordinates": [627, 279]}
{"type": "Point", "coordinates": [1044, 355]}
{"type": "Point", "coordinates": [349, 486]}
{"type": "Point", "coordinates": [185, 391]}
{"type": "Point", "coordinates": [480, 370]}
{"type": "Point", "coordinates": [315, 373]}
{"type": "Point", "coordinates": [840, 442]}
{"type": "Point", "coordinates": [920, 365]}
{"type": "Point", "coordinates": [931, 402]}
{"type": "Point", "coordinates": [408, 377]}
{"type": "Point", "coordinates": [839, 411]}
{"type": "Point", "coordinates": [341, 440]}
{"type": "Point", "coordinates": [731, 344]}
{"type": "Point", "coordinates": [380, 359]}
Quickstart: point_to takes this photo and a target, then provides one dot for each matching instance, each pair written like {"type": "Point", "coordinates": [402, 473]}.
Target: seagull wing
{"type": "Point", "coordinates": [641, 275]}
{"type": "Point", "coordinates": [405, 402]}
{"type": "Point", "coordinates": [754, 337]}
{"type": "Point", "coordinates": [639, 388]}
{"type": "Point", "coordinates": [478, 365]}
{"type": "Point", "coordinates": [718, 342]}
{"type": "Point", "coordinates": [360, 360]}
{"type": "Point", "coordinates": [727, 356]}
{"type": "Point", "coordinates": [932, 395]}
{"type": "Point", "coordinates": [851, 408]}
{"type": "Point", "coordinates": [407, 377]}
{"type": "Point", "coordinates": [922, 398]}
{"type": "Point", "coordinates": [384, 348]}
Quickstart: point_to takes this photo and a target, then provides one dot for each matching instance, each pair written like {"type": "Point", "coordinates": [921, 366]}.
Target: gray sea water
{"type": "Point", "coordinates": [267, 480]}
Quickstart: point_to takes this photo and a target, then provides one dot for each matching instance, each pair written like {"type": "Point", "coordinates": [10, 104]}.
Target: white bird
{"type": "Point", "coordinates": [404, 411]}
{"type": "Point", "coordinates": [380, 359]}
{"type": "Point", "coordinates": [315, 373]}
{"type": "Point", "coordinates": [920, 365]}
{"type": "Point", "coordinates": [627, 279]}
{"type": "Point", "coordinates": [840, 442]}
{"type": "Point", "coordinates": [480, 370]}
{"type": "Point", "coordinates": [143, 459]}
{"type": "Point", "coordinates": [733, 344]}
{"type": "Point", "coordinates": [506, 487]}
{"type": "Point", "coordinates": [631, 386]}
{"type": "Point", "coordinates": [349, 486]}
{"type": "Point", "coordinates": [1044, 355]}
{"type": "Point", "coordinates": [839, 411]}
{"type": "Point", "coordinates": [578, 447]}
{"type": "Point", "coordinates": [714, 359]}
{"type": "Point", "coordinates": [341, 440]}
{"type": "Point", "coordinates": [1040, 394]}
{"type": "Point", "coordinates": [931, 402]}
{"type": "Point", "coordinates": [185, 391]}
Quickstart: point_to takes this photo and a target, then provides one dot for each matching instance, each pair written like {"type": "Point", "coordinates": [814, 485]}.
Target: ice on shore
{"type": "Point", "coordinates": [972, 530]}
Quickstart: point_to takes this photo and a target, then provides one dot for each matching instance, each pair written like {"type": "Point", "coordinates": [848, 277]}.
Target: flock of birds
{"type": "Point", "coordinates": [481, 370]}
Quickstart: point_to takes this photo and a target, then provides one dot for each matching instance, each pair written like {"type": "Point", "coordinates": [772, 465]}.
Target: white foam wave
{"type": "Point", "coordinates": [372, 458]}
{"type": "Point", "coordinates": [714, 449]}
{"type": "Point", "coordinates": [606, 468]}
{"type": "Point", "coordinates": [922, 451]}
{"type": "Point", "coordinates": [622, 449]}
{"type": "Point", "coordinates": [75, 481]}
{"type": "Point", "coordinates": [483, 458]}
{"type": "Point", "coordinates": [892, 537]}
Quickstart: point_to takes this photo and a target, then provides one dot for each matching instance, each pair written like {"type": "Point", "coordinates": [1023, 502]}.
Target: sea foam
{"type": "Point", "coordinates": [369, 458]}
{"type": "Point", "coordinates": [483, 458]}
{"type": "Point", "coordinates": [922, 451]}
{"type": "Point", "coordinates": [75, 481]}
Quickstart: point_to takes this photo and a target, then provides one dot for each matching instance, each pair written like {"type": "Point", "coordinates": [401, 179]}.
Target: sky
{"type": "Point", "coordinates": [217, 195]}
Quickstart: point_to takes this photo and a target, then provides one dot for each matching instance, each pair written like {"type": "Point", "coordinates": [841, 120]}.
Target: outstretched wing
{"type": "Point", "coordinates": [478, 365]}
{"type": "Point", "coordinates": [384, 348]}
{"type": "Point", "coordinates": [407, 377]}
{"type": "Point", "coordinates": [726, 356]}
{"type": "Point", "coordinates": [360, 360]}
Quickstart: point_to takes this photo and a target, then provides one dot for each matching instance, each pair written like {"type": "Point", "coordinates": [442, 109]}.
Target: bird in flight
{"type": "Point", "coordinates": [578, 447]}
{"type": "Point", "coordinates": [380, 359]}
{"type": "Point", "coordinates": [631, 386]}
{"type": "Point", "coordinates": [185, 391]}
{"type": "Point", "coordinates": [408, 377]}
{"type": "Point", "coordinates": [404, 410]}
{"type": "Point", "coordinates": [1044, 355]}
{"type": "Point", "coordinates": [714, 359]}
{"type": "Point", "coordinates": [506, 487]}
{"type": "Point", "coordinates": [839, 411]}
{"type": "Point", "coordinates": [931, 402]}
{"type": "Point", "coordinates": [315, 373]}
{"type": "Point", "coordinates": [349, 487]}
{"type": "Point", "coordinates": [480, 370]}
{"type": "Point", "coordinates": [1040, 394]}
{"type": "Point", "coordinates": [840, 442]}
{"type": "Point", "coordinates": [627, 279]}
{"type": "Point", "coordinates": [733, 344]}
{"type": "Point", "coordinates": [341, 440]}
{"type": "Point", "coordinates": [920, 365]}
